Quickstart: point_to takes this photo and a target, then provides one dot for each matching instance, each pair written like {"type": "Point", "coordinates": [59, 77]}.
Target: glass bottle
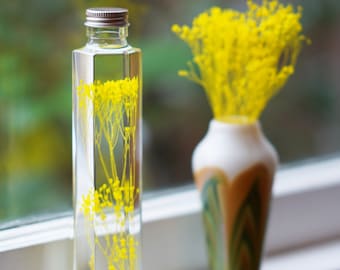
{"type": "Point", "coordinates": [107, 145]}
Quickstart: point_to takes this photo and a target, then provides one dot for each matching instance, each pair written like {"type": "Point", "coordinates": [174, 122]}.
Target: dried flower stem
{"type": "Point", "coordinates": [115, 112]}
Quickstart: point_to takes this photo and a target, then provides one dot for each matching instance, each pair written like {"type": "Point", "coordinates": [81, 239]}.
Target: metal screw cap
{"type": "Point", "coordinates": [106, 17]}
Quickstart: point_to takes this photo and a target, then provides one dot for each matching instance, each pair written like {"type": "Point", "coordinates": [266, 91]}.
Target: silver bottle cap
{"type": "Point", "coordinates": [106, 17]}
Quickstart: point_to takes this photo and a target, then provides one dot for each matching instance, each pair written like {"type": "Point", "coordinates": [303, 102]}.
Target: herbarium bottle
{"type": "Point", "coordinates": [107, 145]}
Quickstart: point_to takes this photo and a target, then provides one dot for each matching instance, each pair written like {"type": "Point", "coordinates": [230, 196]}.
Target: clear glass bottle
{"type": "Point", "coordinates": [107, 145]}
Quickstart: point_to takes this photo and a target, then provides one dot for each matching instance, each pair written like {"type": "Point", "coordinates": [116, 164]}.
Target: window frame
{"type": "Point", "coordinates": [304, 197]}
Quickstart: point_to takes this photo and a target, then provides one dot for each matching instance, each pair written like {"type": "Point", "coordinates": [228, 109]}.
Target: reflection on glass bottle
{"type": "Point", "coordinates": [107, 148]}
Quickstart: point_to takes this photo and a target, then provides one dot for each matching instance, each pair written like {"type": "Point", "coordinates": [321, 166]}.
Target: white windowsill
{"type": "Point", "coordinates": [323, 256]}
{"type": "Point", "coordinates": [303, 202]}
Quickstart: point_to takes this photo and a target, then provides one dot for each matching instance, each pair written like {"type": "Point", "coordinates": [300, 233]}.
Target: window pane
{"type": "Point", "coordinates": [36, 39]}
{"type": "Point", "coordinates": [35, 102]}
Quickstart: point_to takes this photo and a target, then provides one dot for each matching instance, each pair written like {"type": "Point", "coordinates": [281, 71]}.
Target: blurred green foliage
{"type": "Point", "coordinates": [36, 40]}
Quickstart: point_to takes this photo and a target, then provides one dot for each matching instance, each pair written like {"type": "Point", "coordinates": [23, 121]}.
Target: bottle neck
{"type": "Point", "coordinates": [107, 38]}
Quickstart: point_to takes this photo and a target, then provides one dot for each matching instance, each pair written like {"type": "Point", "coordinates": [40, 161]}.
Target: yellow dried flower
{"type": "Point", "coordinates": [242, 59]}
{"type": "Point", "coordinates": [115, 105]}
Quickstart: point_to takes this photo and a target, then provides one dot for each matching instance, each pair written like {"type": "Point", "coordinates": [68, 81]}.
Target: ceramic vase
{"type": "Point", "coordinates": [234, 167]}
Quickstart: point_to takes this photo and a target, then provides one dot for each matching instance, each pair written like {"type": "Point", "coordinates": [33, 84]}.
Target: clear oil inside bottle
{"type": "Point", "coordinates": [107, 157]}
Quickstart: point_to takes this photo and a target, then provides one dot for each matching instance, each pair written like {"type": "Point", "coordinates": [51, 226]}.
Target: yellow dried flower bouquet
{"type": "Point", "coordinates": [242, 59]}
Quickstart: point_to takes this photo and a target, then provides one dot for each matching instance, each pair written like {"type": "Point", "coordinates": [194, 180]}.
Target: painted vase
{"type": "Point", "coordinates": [234, 167]}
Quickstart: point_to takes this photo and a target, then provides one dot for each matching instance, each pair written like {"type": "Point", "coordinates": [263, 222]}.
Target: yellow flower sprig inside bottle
{"type": "Point", "coordinates": [107, 145]}
{"type": "Point", "coordinates": [241, 59]}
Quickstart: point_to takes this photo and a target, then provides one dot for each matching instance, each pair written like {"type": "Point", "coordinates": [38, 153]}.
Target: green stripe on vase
{"type": "Point", "coordinates": [246, 233]}
{"type": "Point", "coordinates": [213, 222]}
